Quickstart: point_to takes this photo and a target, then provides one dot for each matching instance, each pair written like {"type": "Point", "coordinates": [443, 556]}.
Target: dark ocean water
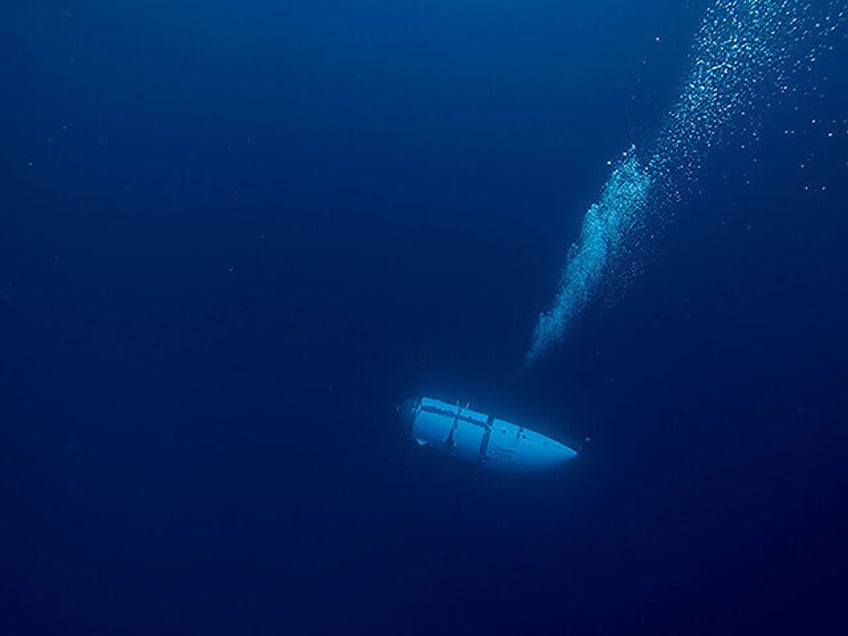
{"type": "Point", "coordinates": [234, 235]}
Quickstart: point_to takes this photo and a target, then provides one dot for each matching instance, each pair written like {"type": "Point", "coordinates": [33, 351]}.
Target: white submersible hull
{"type": "Point", "coordinates": [481, 438]}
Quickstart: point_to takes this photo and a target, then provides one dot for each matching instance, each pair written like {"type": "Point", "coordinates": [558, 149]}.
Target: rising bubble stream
{"type": "Point", "coordinates": [747, 55]}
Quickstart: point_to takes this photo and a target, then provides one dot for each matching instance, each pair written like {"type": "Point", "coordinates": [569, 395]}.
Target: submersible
{"type": "Point", "coordinates": [480, 438]}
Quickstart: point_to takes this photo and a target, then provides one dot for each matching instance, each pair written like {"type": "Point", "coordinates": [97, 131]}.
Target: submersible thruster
{"type": "Point", "coordinates": [477, 437]}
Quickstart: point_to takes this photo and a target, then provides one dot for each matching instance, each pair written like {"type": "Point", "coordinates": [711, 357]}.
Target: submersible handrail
{"type": "Point", "coordinates": [457, 415]}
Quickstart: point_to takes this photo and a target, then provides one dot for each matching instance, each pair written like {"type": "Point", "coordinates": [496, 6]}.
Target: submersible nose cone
{"type": "Point", "coordinates": [564, 453]}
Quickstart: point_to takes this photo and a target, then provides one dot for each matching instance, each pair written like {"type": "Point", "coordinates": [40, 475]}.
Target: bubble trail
{"type": "Point", "coordinates": [746, 54]}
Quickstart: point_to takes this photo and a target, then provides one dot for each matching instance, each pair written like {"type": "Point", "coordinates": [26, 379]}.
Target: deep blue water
{"type": "Point", "coordinates": [234, 235]}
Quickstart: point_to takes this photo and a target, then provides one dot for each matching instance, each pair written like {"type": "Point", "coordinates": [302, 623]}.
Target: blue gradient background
{"type": "Point", "coordinates": [233, 237]}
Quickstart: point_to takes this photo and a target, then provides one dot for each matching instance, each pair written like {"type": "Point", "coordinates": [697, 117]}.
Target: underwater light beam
{"type": "Point", "coordinates": [745, 54]}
